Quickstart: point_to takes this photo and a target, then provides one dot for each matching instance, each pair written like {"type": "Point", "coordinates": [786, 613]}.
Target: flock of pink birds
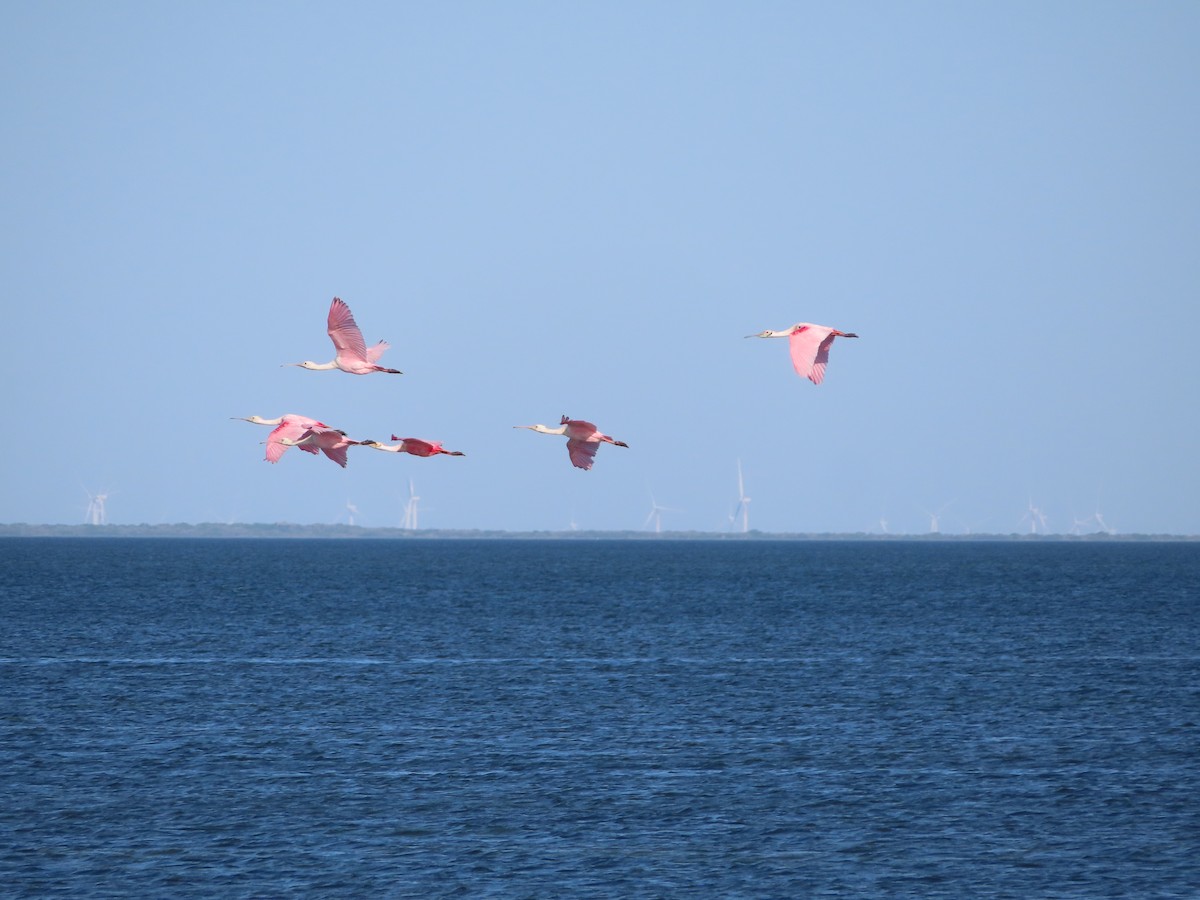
{"type": "Point", "coordinates": [809, 346]}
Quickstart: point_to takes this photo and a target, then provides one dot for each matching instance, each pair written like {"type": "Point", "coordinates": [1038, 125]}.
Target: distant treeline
{"type": "Point", "coordinates": [286, 530]}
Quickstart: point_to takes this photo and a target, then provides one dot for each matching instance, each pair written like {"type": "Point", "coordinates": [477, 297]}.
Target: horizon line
{"type": "Point", "coordinates": [345, 530]}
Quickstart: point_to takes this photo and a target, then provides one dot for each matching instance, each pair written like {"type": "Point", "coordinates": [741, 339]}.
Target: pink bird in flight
{"type": "Point", "coordinates": [809, 345]}
{"type": "Point", "coordinates": [330, 441]}
{"type": "Point", "coordinates": [289, 428]}
{"type": "Point", "coordinates": [415, 446]}
{"type": "Point", "coordinates": [353, 355]}
{"type": "Point", "coordinates": [583, 439]}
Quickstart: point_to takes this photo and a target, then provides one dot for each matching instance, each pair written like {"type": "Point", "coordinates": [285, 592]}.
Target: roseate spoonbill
{"type": "Point", "coordinates": [330, 441]}
{"type": "Point", "coordinates": [290, 427]}
{"type": "Point", "coordinates": [415, 446]}
{"type": "Point", "coordinates": [353, 355]}
{"type": "Point", "coordinates": [583, 439]}
{"type": "Point", "coordinates": [810, 347]}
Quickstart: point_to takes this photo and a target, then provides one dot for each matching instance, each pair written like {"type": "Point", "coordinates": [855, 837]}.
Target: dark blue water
{"type": "Point", "coordinates": [598, 719]}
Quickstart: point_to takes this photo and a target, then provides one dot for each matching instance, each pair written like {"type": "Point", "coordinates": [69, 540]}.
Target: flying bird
{"type": "Point", "coordinates": [809, 345]}
{"type": "Point", "coordinates": [415, 446]}
{"type": "Point", "coordinates": [583, 439]}
{"type": "Point", "coordinates": [289, 427]}
{"type": "Point", "coordinates": [330, 441]}
{"type": "Point", "coordinates": [353, 355]}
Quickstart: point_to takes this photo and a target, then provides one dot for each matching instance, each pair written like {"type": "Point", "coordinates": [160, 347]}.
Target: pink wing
{"type": "Point", "coordinates": [331, 442]}
{"type": "Point", "coordinates": [346, 336]}
{"type": "Point", "coordinates": [579, 429]}
{"type": "Point", "coordinates": [418, 447]}
{"type": "Point", "coordinates": [293, 430]}
{"type": "Point", "coordinates": [818, 369]}
{"type": "Point", "coordinates": [810, 352]}
{"type": "Point", "coordinates": [583, 453]}
{"type": "Point", "coordinates": [333, 446]}
{"type": "Point", "coordinates": [373, 353]}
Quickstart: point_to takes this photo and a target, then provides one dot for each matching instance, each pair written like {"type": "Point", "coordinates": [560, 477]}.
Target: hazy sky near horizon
{"type": "Point", "coordinates": [582, 208]}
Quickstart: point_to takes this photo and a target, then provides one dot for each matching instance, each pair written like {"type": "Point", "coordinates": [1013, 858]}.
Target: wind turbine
{"type": "Point", "coordinates": [96, 513]}
{"type": "Point", "coordinates": [351, 512]}
{"type": "Point", "coordinates": [410, 508]}
{"type": "Point", "coordinates": [655, 515]}
{"type": "Point", "coordinates": [743, 504]}
{"type": "Point", "coordinates": [1094, 517]}
{"type": "Point", "coordinates": [934, 518]}
{"type": "Point", "coordinates": [1035, 517]}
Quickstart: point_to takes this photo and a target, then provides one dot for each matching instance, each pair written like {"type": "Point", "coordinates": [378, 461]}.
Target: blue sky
{"type": "Point", "coordinates": [582, 208]}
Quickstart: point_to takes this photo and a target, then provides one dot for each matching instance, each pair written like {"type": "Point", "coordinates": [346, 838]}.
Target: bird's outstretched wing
{"type": "Point", "coordinates": [583, 453]}
{"type": "Point", "coordinates": [330, 441]}
{"type": "Point", "coordinates": [810, 352]}
{"type": "Point", "coordinates": [293, 430]}
{"type": "Point", "coordinates": [345, 333]}
{"type": "Point", "coordinates": [817, 375]}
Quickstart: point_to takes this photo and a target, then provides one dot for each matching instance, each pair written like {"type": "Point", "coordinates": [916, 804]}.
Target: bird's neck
{"type": "Point", "coordinates": [319, 366]}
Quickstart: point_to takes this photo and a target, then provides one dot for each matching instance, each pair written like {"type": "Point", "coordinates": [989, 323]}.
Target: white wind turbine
{"type": "Point", "coordinates": [655, 515]}
{"type": "Point", "coordinates": [935, 518]}
{"type": "Point", "coordinates": [1094, 517]}
{"type": "Point", "coordinates": [410, 508]}
{"type": "Point", "coordinates": [351, 512]}
{"type": "Point", "coordinates": [96, 513]}
{"type": "Point", "coordinates": [743, 504]}
{"type": "Point", "coordinates": [1035, 517]}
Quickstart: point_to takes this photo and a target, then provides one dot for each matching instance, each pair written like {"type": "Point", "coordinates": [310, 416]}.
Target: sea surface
{"type": "Point", "coordinates": [560, 718]}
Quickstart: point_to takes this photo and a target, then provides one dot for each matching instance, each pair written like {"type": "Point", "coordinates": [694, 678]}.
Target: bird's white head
{"type": "Point", "coordinates": [543, 429]}
{"type": "Point", "coordinates": [257, 420]}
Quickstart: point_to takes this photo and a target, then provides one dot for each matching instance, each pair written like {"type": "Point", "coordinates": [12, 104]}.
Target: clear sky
{"type": "Point", "coordinates": [582, 208]}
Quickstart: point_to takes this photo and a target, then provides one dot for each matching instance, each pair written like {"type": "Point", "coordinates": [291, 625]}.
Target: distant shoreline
{"type": "Point", "coordinates": [355, 532]}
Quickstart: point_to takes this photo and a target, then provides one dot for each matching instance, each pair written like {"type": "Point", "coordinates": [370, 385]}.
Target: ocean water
{"type": "Point", "coordinates": [259, 718]}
